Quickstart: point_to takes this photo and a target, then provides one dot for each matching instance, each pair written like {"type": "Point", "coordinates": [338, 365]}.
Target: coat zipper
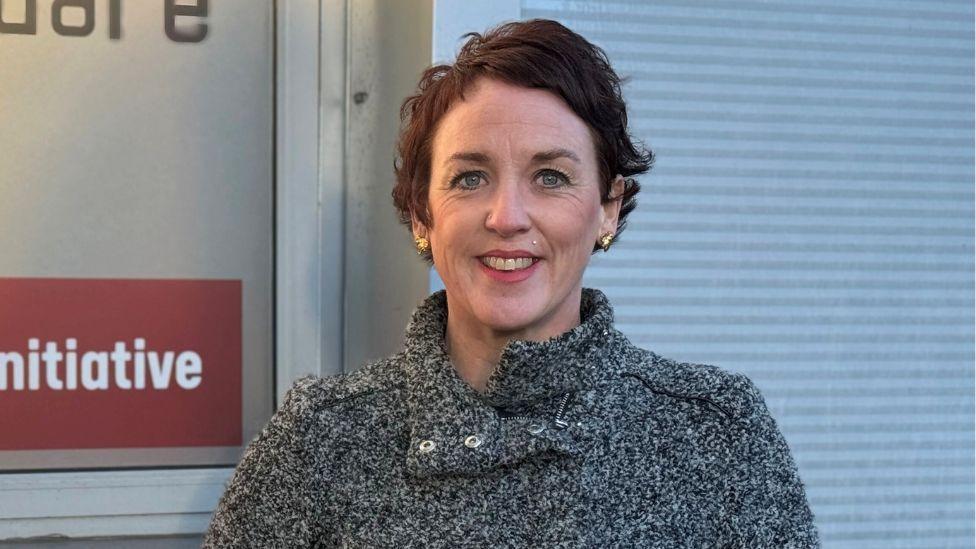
{"type": "Point", "coordinates": [560, 420]}
{"type": "Point", "coordinates": [561, 423]}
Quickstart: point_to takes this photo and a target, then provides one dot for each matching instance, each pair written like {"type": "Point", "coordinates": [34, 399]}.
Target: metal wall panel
{"type": "Point", "coordinates": [809, 222]}
{"type": "Point", "coordinates": [389, 46]}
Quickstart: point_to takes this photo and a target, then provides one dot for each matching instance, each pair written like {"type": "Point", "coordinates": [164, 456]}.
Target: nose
{"type": "Point", "coordinates": [507, 214]}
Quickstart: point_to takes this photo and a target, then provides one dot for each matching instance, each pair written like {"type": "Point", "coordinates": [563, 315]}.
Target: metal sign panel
{"type": "Point", "coordinates": [136, 156]}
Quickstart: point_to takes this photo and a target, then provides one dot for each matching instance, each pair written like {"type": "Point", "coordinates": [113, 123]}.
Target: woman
{"type": "Point", "coordinates": [516, 415]}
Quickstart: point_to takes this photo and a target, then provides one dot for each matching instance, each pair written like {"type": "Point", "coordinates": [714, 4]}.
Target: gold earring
{"type": "Point", "coordinates": [605, 241]}
{"type": "Point", "coordinates": [423, 245]}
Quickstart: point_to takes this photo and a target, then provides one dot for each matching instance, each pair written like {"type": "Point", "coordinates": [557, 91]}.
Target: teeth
{"type": "Point", "coordinates": [503, 264]}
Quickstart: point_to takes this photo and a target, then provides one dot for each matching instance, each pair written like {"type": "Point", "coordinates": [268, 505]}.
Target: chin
{"type": "Point", "coordinates": [514, 326]}
{"type": "Point", "coordinates": [511, 314]}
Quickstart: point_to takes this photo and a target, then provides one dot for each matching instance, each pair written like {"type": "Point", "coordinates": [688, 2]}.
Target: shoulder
{"type": "Point", "coordinates": [312, 394]}
{"type": "Point", "coordinates": [729, 393]}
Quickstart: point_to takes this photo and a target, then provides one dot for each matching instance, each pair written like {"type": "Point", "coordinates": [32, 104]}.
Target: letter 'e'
{"type": "Point", "coordinates": [197, 10]}
{"type": "Point", "coordinates": [29, 26]}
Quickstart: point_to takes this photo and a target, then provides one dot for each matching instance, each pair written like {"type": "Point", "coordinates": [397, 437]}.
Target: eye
{"type": "Point", "coordinates": [552, 179]}
{"type": "Point", "coordinates": [467, 180]}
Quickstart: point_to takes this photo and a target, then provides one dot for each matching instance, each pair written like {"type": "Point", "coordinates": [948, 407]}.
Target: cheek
{"type": "Point", "coordinates": [572, 229]}
{"type": "Point", "coordinates": [452, 225]}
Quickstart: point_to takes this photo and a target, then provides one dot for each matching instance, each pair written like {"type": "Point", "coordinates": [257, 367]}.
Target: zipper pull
{"type": "Point", "coordinates": [560, 422]}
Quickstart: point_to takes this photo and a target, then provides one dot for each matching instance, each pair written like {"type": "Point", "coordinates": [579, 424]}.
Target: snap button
{"type": "Point", "coordinates": [473, 441]}
{"type": "Point", "coordinates": [536, 428]}
{"type": "Point", "coordinates": [427, 446]}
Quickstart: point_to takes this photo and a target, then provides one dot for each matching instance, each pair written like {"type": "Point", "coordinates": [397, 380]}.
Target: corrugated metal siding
{"type": "Point", "coordinates": [809, 222]}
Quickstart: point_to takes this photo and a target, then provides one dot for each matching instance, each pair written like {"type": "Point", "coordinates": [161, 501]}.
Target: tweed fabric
{"type": "Point", "coordinates": [656, 453]}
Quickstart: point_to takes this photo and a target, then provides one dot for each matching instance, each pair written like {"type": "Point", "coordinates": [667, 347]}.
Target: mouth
{"type": "Point", "coordinates": [508, 263]}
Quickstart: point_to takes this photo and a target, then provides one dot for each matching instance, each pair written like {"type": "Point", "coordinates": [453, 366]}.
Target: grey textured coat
{"type": "Point", "coordinates": [581, 441]}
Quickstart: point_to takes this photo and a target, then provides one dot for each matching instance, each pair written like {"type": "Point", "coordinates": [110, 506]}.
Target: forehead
{"type": "Point", "coordinates": [500, 118]}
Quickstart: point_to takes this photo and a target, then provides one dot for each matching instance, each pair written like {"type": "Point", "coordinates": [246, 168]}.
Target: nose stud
{"type": "Point", "coordinates": [534, 242]}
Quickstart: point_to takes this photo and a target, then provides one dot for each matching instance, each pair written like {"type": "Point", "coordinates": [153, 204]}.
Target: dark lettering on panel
{"type": "Point", "coordinates": [115, 19]}
{"type": "Point", "coordinates": [172, 10]}
{"type": "Point", "coordinates": [64, 30]}
{"type": "Point", "coordinates": [187, 35]}
{"type": "Point", "coordinates": [29, 26]}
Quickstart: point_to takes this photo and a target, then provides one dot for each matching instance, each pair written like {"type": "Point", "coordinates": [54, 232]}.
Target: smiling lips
{"type": "Point", "coordinates": [503, 264]}
{"type": "Point", "coordinates": [515, 260]}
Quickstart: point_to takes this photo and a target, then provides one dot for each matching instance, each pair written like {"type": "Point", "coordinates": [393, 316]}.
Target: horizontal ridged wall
{"type": "Point", "coordinates": [809, 222]}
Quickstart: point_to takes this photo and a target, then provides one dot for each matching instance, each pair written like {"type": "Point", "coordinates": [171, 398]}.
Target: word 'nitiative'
{"type": "Point", "coordinates": [128, 369]}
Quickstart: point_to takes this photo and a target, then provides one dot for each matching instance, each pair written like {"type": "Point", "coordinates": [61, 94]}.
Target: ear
{"type": "Point", "coordinates": [418, 228]}
{"type": "Point", "coordinates": [611, 209]}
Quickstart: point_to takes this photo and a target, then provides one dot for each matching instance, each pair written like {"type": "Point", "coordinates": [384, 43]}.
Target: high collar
{"type": "Point", "coordinates": [527, 371]}
{"type": "Point", "coordinates": [530, 375]}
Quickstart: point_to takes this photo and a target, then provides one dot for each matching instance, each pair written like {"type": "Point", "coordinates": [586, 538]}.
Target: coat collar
{"type": "Point", "coordinates": [530, 378]}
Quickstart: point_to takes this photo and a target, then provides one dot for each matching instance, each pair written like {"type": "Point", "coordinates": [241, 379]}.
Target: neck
{"type": "Point", "coordinates": [475, 349]}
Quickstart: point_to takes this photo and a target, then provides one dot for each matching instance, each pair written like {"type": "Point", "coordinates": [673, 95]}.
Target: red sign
{"type": "Point", "coordinates": [119, 363]}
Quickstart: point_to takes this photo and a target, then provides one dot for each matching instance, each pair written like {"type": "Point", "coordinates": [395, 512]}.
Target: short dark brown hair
{"type": "Point", "coordinates": [538, 53]}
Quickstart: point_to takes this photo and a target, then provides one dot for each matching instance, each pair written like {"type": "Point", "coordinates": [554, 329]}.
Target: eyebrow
{"type": "Point", "coordinates": [552, 154]}
{"type": "Point", "coordinates": [468, 156]}
{"type": "Point", "coordinates": [544, 156]}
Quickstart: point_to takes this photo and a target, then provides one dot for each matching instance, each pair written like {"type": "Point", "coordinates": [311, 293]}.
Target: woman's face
{"type": "Point", "coordinates": [514, 199]}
